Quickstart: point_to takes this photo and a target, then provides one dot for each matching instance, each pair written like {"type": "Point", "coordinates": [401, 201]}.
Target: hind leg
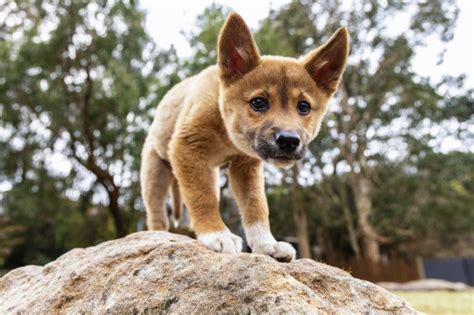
{"type": "Point", "coordinates": [155, 180]}
{"type": "Point", "coordinates": [177, 203]}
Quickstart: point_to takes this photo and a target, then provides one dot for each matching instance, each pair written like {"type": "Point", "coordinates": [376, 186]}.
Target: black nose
{"type": "Point", "coordinates": [287, 140]}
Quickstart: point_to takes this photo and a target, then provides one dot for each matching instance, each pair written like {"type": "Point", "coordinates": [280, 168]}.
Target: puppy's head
{"type": "Point", "coordinates": [272, 107]}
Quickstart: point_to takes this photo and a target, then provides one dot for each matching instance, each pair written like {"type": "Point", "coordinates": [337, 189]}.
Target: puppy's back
{"type": "Point", "coordinates": [184, 97]}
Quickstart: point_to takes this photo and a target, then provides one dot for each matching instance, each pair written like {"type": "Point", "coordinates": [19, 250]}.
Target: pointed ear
{"type": "Point", "coordinates": [237, 53]}
{"type": "Point", "coordinates": [326, 64]}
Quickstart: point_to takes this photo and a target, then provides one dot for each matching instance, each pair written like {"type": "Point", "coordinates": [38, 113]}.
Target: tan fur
{"type": "Point", "coordinates": [205, 122]}
{"type": "Point", "coordinates": [177, 202]}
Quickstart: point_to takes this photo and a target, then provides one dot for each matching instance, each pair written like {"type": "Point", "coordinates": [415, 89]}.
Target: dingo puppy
{"type": "Point", "coordinates": [246, 110]}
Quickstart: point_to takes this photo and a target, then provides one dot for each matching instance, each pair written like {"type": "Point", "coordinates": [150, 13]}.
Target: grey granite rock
{"type": "Point", "coordinates": [159, 272]}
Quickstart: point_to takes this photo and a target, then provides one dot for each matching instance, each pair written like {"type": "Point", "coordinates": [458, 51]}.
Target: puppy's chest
{"type": "Point", "coordinates": [221, 151]}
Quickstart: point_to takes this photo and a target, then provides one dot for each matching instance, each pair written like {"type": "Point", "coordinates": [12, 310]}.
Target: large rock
{"type": "Point", "coordinates": [158, 272]}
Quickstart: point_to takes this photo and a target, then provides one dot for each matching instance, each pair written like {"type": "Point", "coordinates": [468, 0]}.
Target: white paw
{"type": "Point", "coordinates": [222, 242]}
{"type": "Point", "coordinates": [261, 241]}
{"type": "Point", "coordinates": [281, 251]}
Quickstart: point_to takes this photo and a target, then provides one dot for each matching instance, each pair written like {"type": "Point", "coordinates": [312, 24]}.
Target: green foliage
{"type": "Point", "coordinates": [52, 223]}
{"type": "Point", "coordinates": [86, 83]}
{"type": "Point", "coordinates": [288, 32]}
{"type": "Point", "coordinates": [437, 192]}
{"type": "Point", "coordinates": [204, 40]}
{"type": "Point", "coordinates": [77, 81]}
{"type": "Point", "coordinates": [9, 238]}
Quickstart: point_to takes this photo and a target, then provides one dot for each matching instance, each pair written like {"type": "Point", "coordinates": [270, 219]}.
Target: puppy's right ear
{"type": "Point", "coordinates": [237, 53]}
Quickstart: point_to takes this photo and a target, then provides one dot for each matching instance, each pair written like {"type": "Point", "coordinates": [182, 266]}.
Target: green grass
{"type": "Point", "coordinates": [440, 302]}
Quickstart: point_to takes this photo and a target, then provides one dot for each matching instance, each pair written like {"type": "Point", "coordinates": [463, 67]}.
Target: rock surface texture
{"type": "Point", "coordinates": [159, 272]}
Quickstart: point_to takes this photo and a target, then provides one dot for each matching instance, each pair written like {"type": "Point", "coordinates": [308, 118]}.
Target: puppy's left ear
{"type": "Point", "coordinates": [326, 64]}
{"type": "Point", "coordinates": [237, 52]}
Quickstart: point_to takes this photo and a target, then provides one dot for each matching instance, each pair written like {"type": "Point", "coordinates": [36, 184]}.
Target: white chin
{"type": "Point", "coordinates": [281, 163]}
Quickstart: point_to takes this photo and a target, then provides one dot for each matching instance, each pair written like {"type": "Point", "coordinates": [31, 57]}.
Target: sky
{"type": "Point", "coordinates": [167, 19]}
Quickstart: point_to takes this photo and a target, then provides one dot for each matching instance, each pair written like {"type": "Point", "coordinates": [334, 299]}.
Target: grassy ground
{"type": "Point", "coordinates": [440, 302]}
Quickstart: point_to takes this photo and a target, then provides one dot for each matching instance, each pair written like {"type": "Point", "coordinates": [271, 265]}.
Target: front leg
{"type": "Point", "coordinates": [198, 184]}
{"type": "Point", "coordinates": [247, 185]}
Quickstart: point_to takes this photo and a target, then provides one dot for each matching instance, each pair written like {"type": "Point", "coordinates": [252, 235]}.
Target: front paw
{"type": "Point", "coordinates": [281, 251]}
{"type": "Point", "coordinates": [222, 242]}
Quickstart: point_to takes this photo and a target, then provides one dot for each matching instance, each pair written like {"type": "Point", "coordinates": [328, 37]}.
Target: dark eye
{"type": "Point", "coordinates": [303, 108]}
{"type": "Point", "coordinates": [259, 104]}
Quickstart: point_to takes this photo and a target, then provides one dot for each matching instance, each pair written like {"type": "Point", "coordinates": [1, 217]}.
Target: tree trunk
{"type": "Point", "coordinates": [351, 231]}
{"type": "Point", "coordinates": [327, 251]}
{"type": "Point", "coordinates": [114, 209]}
{"type": "Point", "coordinates": [103, 176]}
{"type": "Point", "coordinates": [363, 203]}
{"type": "Point", "coordinates": [301, 218]}
{"type": "Point", "coordinates": [371, 249]}
{"type": "Point", "coordinates": [343, 200]}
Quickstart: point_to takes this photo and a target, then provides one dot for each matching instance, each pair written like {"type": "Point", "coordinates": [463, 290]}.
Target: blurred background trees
{"type": "Point", "coordinates": [76, 79]}
{"type": "Point", "coordinates": [79, 82]}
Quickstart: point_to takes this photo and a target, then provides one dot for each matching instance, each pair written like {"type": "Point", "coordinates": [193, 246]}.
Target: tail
{"type": "Point", "coordinates": [177, 205]}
